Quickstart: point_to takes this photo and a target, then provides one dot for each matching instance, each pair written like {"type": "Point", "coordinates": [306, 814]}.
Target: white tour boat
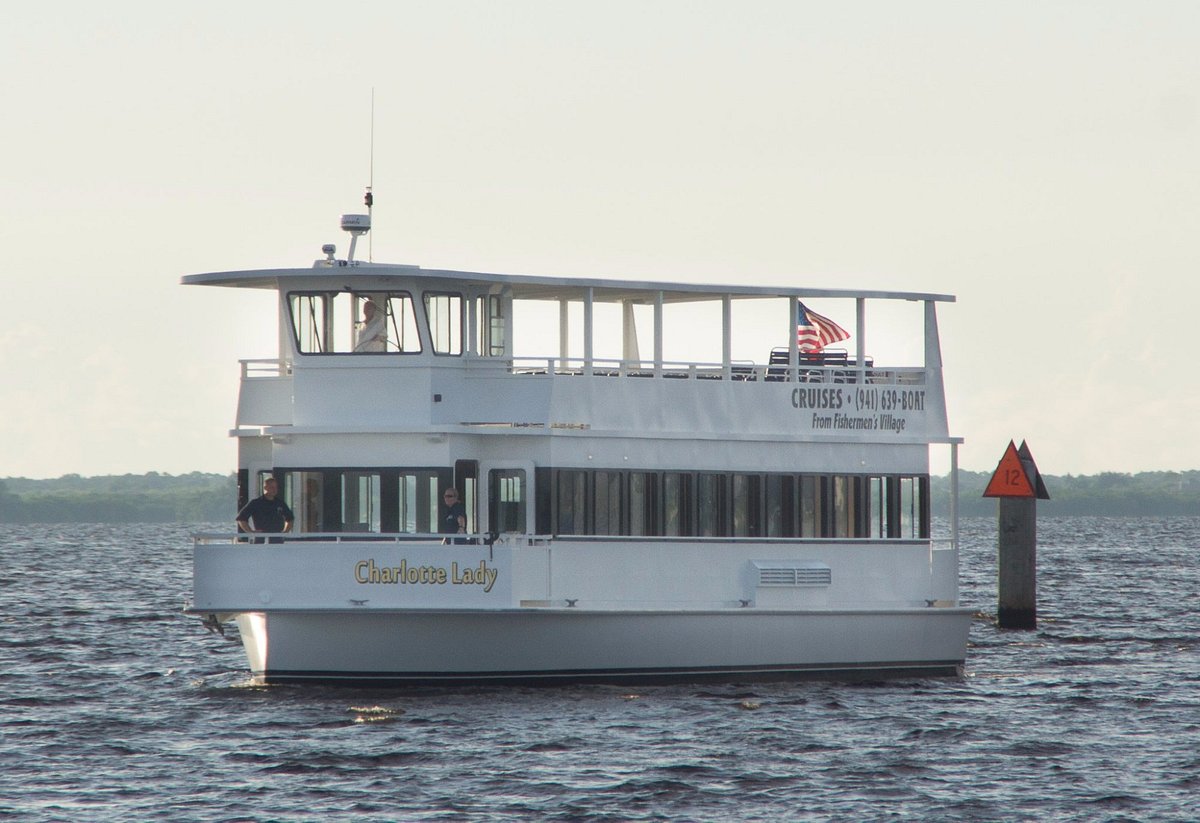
{"type": "Point", "coordinates": [644, 500]}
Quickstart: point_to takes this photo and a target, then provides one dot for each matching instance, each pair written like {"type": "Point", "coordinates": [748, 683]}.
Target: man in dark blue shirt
{"type": "Point", "coordinates": [454, 516]}
{"type": "Point", "coordinates": [267, 513]}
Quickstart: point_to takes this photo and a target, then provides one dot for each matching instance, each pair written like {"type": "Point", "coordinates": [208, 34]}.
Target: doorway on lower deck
{"type": "Point", "coordinates": [508, 499]}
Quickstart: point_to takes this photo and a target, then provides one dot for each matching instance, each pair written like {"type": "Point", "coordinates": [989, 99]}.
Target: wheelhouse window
{"type": "Point", "coordinates": [445, 313]}
{"type": "Point", "coordinates": [311, 322]}
{"type": "Point", "coordinates": [492, 325]}
{"type": "Point", "coordinates": [354, 322]}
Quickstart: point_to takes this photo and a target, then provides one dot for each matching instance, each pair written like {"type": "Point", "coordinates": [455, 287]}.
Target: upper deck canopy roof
{"type": "Point", "coordinates": [529, 287]}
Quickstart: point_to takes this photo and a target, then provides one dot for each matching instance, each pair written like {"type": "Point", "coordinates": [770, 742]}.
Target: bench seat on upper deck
{"type": "Point", "coordinates": [815, 366]}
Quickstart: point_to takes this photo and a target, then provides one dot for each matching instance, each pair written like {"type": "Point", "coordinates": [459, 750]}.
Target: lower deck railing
{"type": "Point", "coordinates": [206, 538]}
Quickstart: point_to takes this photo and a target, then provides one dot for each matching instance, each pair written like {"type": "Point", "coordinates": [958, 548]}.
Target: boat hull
{"type": "Point", "coordinates": [569, 645]}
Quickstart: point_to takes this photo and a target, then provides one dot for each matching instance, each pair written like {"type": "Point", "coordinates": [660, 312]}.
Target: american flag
{"type": "Point", "coordinates": [814, 332]}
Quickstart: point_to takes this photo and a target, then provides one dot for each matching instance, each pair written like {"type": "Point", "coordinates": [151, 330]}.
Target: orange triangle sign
{"type": "Point", "coordinates": [1010, 479]}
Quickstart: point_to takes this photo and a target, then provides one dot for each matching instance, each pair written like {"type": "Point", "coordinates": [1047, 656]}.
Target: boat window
{"type": "Point", "coordinates": [898, 507]}
{"type": "Point", "coordinates": [747, 505]}
{"type": "Point", "coordinates": [418, 501]}
{"type": "Point", "coordinates": [571, 502]}
{"type": "Point", "coordinates": [346, 322]}
{"type": "Point", "coordinates": [492, 328]}
{"type": "Point", "coordinates": [781, 505]}
{"type": "Point", "coordinates": [304, 492]}
{"type": "Point", "coordinates": [710, 505]}
{"type": "Point", "coordinates": [360, 502]}
{"type": "Point", "coordinates": [581, 501]}
{"type": "Point", "coordinates": [921, 507]}
{"type": "Point", "coordinates": [843, 507]}
{"type": "Point", "coordinates": [402, 335]}
{"type": "Point", "coordinates": [466, 480]}
{"type": "Point", "coordinates": [310, 324]}
{"type": "Point", "coordinates": [877, 504]}
{"type": "Point", "coordinates": [676, 496]}
{"type": "Point", "coordinates": [909, 498]}
{"type": "Point", "coordinates": [810, 507]}
{"type": "Point", "coordinates": [507, 490]}
{"type": "Point", "coordinates": [642, 500]}
{"type": "Point", "coordinates": [607, 510]}
{"type": "Point", "coordinates": [445, 313]}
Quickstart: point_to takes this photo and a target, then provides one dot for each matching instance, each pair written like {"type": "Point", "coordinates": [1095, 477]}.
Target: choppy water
{"type": "Point", "coordinates": [115, 707]}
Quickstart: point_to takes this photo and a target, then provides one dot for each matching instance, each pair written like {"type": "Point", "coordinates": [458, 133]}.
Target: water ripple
{"type": "Point", "coordinates": [115, 707]}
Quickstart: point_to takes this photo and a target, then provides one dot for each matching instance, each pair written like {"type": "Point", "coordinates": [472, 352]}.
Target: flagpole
{"type": "Point", "coordinates": [793, 341]}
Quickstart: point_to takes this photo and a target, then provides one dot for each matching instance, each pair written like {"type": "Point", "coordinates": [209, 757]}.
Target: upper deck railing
{"type": "Point", "coordinates": [813, 371]}
{"type": "Point", "coordinates": [745, 371]}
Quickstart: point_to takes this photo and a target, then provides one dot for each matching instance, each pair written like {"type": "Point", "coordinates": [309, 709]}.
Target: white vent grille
{"type": "Point", "coordinates": [793, 575]}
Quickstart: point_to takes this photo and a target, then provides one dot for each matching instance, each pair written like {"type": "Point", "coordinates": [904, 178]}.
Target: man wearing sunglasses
{"type": "Point", "coordinates": [454, 514]}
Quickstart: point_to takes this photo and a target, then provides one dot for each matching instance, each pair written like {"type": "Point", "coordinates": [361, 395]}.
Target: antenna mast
{"type": "Point", "coordinates": [369, 199]}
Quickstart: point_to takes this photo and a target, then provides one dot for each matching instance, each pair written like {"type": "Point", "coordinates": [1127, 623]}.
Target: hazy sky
{"type": "Point", "coordinates": [1041, 160]}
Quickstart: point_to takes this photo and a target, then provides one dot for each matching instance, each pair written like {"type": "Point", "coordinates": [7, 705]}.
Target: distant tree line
{"type": "Point", "coordinates": [1108, 493]}
{"type": "Point", "coordinates": [210, 498]}
{"type": "Point", "coordinates": [127, 498]}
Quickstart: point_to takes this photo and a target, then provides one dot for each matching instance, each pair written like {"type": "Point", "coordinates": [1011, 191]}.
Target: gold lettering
{"type": "Point", "coordinates": [367, 572]}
